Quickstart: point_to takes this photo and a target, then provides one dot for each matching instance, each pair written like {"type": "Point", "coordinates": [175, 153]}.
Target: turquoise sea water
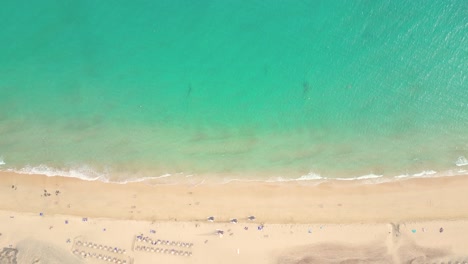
{"type": "Point", "coordinates": [125, 90]}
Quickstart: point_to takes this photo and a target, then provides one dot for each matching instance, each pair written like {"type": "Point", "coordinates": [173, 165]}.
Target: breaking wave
{"type": "Point", "coordinates": [83, 172]}
{"type": "Point", "coordinates": [89, 174]}
{"type": "Point", "coordinates": [461, 161]}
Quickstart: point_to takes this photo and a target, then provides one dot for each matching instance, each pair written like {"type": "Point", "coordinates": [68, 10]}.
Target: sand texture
{"type": "Point", "coordinates": [65, 220]}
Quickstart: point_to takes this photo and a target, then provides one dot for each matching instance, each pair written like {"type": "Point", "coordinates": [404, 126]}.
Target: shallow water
{"type": "Point", "coordinates": [234, 90]}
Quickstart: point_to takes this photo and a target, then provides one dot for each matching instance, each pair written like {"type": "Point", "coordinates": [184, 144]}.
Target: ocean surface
{"type": "Point", "coordinates": [234, 90]}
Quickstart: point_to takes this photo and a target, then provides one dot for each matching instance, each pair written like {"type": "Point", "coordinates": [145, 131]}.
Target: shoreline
{"type": "Point", "coordinates": [181, 178]}
{"type": "Point", "coordinates": [287, 202]}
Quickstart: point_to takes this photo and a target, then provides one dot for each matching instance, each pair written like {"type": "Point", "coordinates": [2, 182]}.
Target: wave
{"type": "Point", "coordinates": [309, 176]}
{"type": "Point", "coordinates": [461, 161]}
{"type": "Point", "coordinates": [433, 174]}
{"type": "Point", "coordinates": [363, 177]}
{"type": "Point", "coordinates": [144, 179]}
{"type": "Point", "coordinates": [83, 172]}
{"type": "Point", "coordinates": [89, 174]}
{"type": "Point", "coordinates": [372, 178]}
{"type": "Point", "coordinates": [314, 177]}
{"type": "Point", "coordinates": [422, 174]}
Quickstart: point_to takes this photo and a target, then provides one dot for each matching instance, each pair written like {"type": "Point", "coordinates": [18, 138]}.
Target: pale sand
{"type": "Point", "coordinates": [334, 222]}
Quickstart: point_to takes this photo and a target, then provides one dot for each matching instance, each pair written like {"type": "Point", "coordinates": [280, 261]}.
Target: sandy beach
{"type": "Point", "coordinates": [66, 220]}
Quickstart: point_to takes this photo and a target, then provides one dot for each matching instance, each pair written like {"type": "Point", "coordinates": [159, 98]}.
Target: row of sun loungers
{"type": "Point", "coordinates": [103, 257]}
{"type": "Point", "coordinates": [165, 251]}
{"type": "Point", "coordinates": [100, 247]}
{"type": "Point", "coordinates": [163, 242]}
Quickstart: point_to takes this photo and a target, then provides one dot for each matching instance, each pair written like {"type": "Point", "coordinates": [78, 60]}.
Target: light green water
{"type": "Point", "coordinates": [233, 89]}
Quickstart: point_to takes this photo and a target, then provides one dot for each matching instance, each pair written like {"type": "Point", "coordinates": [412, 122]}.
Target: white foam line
{"type": "Point", "coordinates": [2, 162]}
{"type": "Point", "coordinates": [310, 176]}
{"type": "Point", "coordinates": [364, 177]}
{"type": "Point", "coordinates": [81, 173]}
{"type": "Point", "coordinates": [86, 173]}
{"type": "Point", "coordinates": [142, 179]}
{"type": "Point", "coordinates": [423, 174]}
{"type": "Point", "coordinates": [227, 181]}
{"type": "Point", "coordinates": [370, 178]}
